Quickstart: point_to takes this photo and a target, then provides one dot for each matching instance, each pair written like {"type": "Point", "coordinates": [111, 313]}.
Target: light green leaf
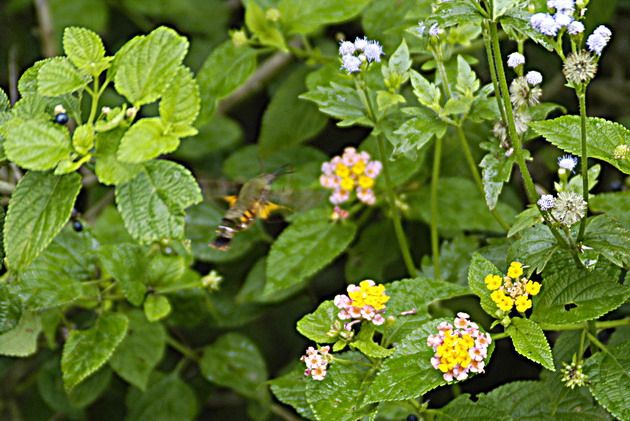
{"type": "Point", "coordinates": [480, 267]}
{"type": "Point", "coordinates": [152, 204]}
{"type": "Point", "coordinates": [528, 218]}
{"type": "Point", "coordinates": [399, 62]}
{"type": "Point", "coordinates": [37, 145]}
{"type": "Point", "coordinates": [415, 133]}
{"type": "Point", "coordinates": [265, 30]}
{"type": "Point", "coordinates": [146, 139]}
{"type": "Point", "coordinates": [180, 102]}
{"type": "Point", "coordinates": [500, 7]}
{"type": "Point", "coordinates": [291, 257]}
{"type": "Point", "coordinates": [467, 82]}
{"type": "Point", "coordinates": [291, 390]}
{"type": "Point", "coordinates": [616, 204]}
{"type": "Point", "coordinates": [156, 307]}
{"type": "Point", "coordinates": [127, 264]}
{"type": "Point", "coordinates": [85, 351]}
{"type": "Point", "coordinates": [140, 352]}
{"type": "Point", "coordinates": [364, 342]}
{"type": "Point", "coordinates": [85, 50]}
{"type": "Point", "coordinates": [21, 341]}
{"type": "Point", "coordinates": [58, 76]}
{"type": "Point", "coordinates": [167, 399]}
{"type": "Point", "coordinates": [341, 102]}
{"type": "Point", "coordinates": [39, 207]}
{"type": "Point", "coordinates": [83, 138]}
{"type": "Point", "coordinates": [534, 248]}
{"type": "Point", "coordinates": [606, 235]}
{"type": "Point", "coordinates": [305, 16]}
{"type": "Point", "coordinates": [602, 136]}
{"type": "Point", "coordinates": [496, 171]}
{"type": "Point", "coordinates": [575, 183]}
{"type": "Point", "coordinates": [339, 396]}
{"type": "Point", "coordinates": [315, 325]}
{"type": "Point", "coordinates": [529, 341]}
{"type": "Point", "coordinates": [10, 308]}
{"type": "Point", "coordinates": [427, 93]}
{"type": "Point", "coordinates": [149, 64]}
{"type": "Point", "coordinates": [109, 169]}
{"type": "Point", "coordinates": [234, 361]}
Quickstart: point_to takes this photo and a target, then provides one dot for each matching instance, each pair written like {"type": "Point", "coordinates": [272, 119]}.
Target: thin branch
{"type": "Point", "coordinates": [46, 28]}
{"type": "Point", "coordinates": [13, 74]}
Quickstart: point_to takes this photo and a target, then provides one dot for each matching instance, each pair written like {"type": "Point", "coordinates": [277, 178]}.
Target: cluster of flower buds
{"type": "Point", "coordinates": [512, 290]}
{"type": "Point", "coordinates": [550, 25]}
{"type": "Point", "coordinates": [316, 362]}
{"type": "Point", "coordinates": [524, 90]}
{"type": "Point", "coordinates": [568, 208]}
{"type": "Point", "coordinates": [353, 170]}
{"type": "Point", "coordinates": [363, 302]}
{"type": "Point", "coordinates": [354, 54]}
{"type": "Point", "coordinates": [572, 374]}
{"type": "Point", "coordinates": [460, 348]}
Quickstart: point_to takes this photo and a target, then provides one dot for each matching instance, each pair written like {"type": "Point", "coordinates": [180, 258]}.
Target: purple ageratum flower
{"type": "Point", "coordinates": [434, 31]}
{"type": "Point", "coordinates": [567, 162]}
{"type": "Point", "coordinates": [596, 43]}
{"type": "Point", "coordinates": [373, 51]}
{"type": "Point", "coordinates": [346, 48]}
{"type": "Point", "coordinates": [603, 32]}
{"type": "Point", "coordinates": [549, 26]}
{"type": "Point", "coordinates": [360, 43]}
{"type": "Point", "coordinates": [537, 19]}
{"type": "Point", "coordinates": [533, 78]}
{"type": "Point", "coordinates": [563, 19]}
{"type": "Point", "coordinates": [351, 64]}
{"type": "Point", "coordinates": [575, 28]}
{"type": "Point", "coordinates": [561, 5]}
{"type": "Point", "coordinates": [515, 59]}
{"type": "Point", "coordinates": [546, 202]}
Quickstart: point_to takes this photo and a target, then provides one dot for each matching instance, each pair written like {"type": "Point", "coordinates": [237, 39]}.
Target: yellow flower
{"type": "Point", "coordinates": [366, 182]}
{"type": "Point", "coordinates": [497, 296]}
{"type": "Point", "coordinates": [359, 167]}
{"type": "Point", "coordinates": [515, 270]}
{"type": "Point", "coordinates": [532, 287]}
{"type": "Point", "coordinates": [506, 304]}
{"type": "Point", "coordinates": [493, 281]}
{"type": "Point", "coordinates": [523, 303]}
{"type": "Point", "coordinates": [346, 182]}
{"type": "Point", "coordinates": [342, 171]}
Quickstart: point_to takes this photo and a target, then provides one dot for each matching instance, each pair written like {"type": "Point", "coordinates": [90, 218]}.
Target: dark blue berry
{"type": "Point", "coordinates": [77, 226]}
{"type": "Point", "coordinates": [412, 418]}
{"type": "Point", "coordinates": [61, 118]}
{"type": "Point", "coordinates": [168, 251]}
{"type": "Point", "coordinates": [616, 185]}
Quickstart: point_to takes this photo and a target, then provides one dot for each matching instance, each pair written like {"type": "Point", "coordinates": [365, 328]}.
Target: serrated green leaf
{"type": "Point", "coordinates": [37, 145]}
{"type": "Point", "coordinates": [463, 409]}
{"type": "Point", "coordinates": [288, 121]}
{"type": "Point", "coordinates": [149, 64]}
{"type": "Point", "coordinates": [85, 50]}
{"type": "Point", "coordinates": [528, 218]}
{"type": "Point", "coordinates": [496, 171]}
{"type": "Point", "coordinates": [602, 136]}
{"type": "Point", "coordinates": [608, 379]}
{"type": "Point", "coordinates": [291, 390]}
{"type": "Point", "coordinates": [180, 102]}
{"type": "Point", "coordinates": [571, 295]}
{"type": "Point", "coordinates": [530, 341]}
{"type": "Point", "coordinates": [535, 247]}
{"type": "Point", "coordinates": [500, 7]}
{"type": "Point", "coordinates": [109, 169]}
{"type": "Point", "coordinates": [58, 76]}
{"type": "Point", "coordinates": [339, 396]}
{"type": "Point", "coordinates": [266, 31]}
{"type": "Point", "coordinates": [89, 390]}
{"type": "Point", "coordinates": [127, 264]}
{"type": "Point", "coordinates": [167, 399]}
{"type": "Point", "coordinates": [85, 351]}
{"type": "Point", "coordinates": [606, 235]}
{"type": "Point", "coordinates": [616, 204]}
{"type": "Point", "coordinates": [146, 139]}
{"type": "Point", "coordinates": [156, 307]}
{"type": "Point", "coordinates": [426, 92]}
{"type": "Point", "coordinates": [152, 204]}
{"type": "Point", "coordinates": [143, 348]}
{"type": "Point", "coordinates": [416, 133]}
{"type": "Point", "coordinates": [234, 361]}
{"type": "Point", "coordinates": [480, 267]}
{"type": "Point", "coordinates": [83, 138]}
{"type": "Point", "coordinates": [341, 102]}
{"type": "Point", "coordinates": [21, 341]}
{"type": "Point", "coordinates": [305, 16]}
{"type": "Point", "coordinates": [315, 325]}
{"type": "Point", "coordinates": [291, 257]}
{"type": "Point", "coordinates": [454, 13]}
{"type": "Point", "coordinates": [5, 104]}
{"type": "Point", "coordinates": [39, 207]}
{"type": "Point", "coordinates": [10, 308]}
{"type": "Point", "coordinates": [517, 25]}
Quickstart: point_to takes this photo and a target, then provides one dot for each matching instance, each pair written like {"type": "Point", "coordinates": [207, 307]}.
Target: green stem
{"type": "Point", "coordinates": [183, 349]}
{"type": "Point", "coordinates": [435, 246]}
{"type": "Point", "coordinates": [582, 98]}
{"type": "Point", "coordinates": [493, 74]}
{"type": "Point", "coordinates": [582, 338]}
{"type": "Point", "coordinates": [344, 361]}
{"type": "Point", "coordinates": [596, 341]}
{"type": "Point", "coordinates": [95, 97]}
{"type": "Point", "coordinates": [172, 288]}
{"type": "Point", "coordinates": [607, 324]}
{"type": "Point", "coordinates": [501, 335]}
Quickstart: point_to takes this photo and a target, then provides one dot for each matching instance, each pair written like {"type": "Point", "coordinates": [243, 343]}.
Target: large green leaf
{"type": "Point", "coordinates": [180, 103]}
{"type": "Point", "coordinates": [168, 398]}
{"type": "Point", "coordinates": [10, 308]}
{"type": "Point", "coordinates": [496, 171]}
{"type": "Point", "coordinates": [39, 207]}
{"type": "Point", "coordinates": [616, 204]}
{"type": "Point", "coordinates": [480, 267]}
{"type": "Point", "coordinates": [146, 139]}
{"type": "Point", "coordinates": [416, 133]}
{"type": "Point", "coordinates": [85, 49]}
{"type": "Point", "coordinates": [37, 145]}
{"type": "Point", "coordinates": [21, 341]}
{"type": "Point", "coordinates": [608, 379]}
{"type": "Point", "coordinates": [85, 351]}
{"type": "Point", "coordinates": [58, 76]}
{"type": "Point", "coordinates": [291, 389]}
{"type": "Point", "coordinates": [316, 325]}
{"type": "Point", "coordinates": [339, 396]}
{"type": "Point", "coordinates": [606, 235]}
{"type": "Point", "coordinates": [602, 136]}
{"type": "Point", "coordinates": [148, 65]}
{"type": "Point", "coordinates": [534, 248]}
{"type": "Point", "coordinates": [127, 264]}
{"type": "Point", "coordinates": [152, 204]}
{"type": "Point", "coordinates": [143, 348]}
{"type": "Point", "coordinates": [305, 16]}
{"type": "Point", "coordinates": [463, 409]}
{"type": "Point", "coordinates": [530, 341]}
{"type": "Point", "coordinates": [292, 256]}
{"type": "Point", "coordinates": [109, 169]}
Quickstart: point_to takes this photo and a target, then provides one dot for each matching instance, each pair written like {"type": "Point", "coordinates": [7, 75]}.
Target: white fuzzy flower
{"type": "Point", "coordinates": [537, 19]}
{"type": "Point", "coordinates": [434, 31]}
{"type": "Point", "coordinates": [575, 27]}
{"type": "Point", "coordinates": [560, 5]}
{"type": "Point", "coordinates": [603, 32]}
{"type": "Point", "coordinates": [567, 162]}
{"type": "Point", "coordinates": [569, 208]}
{"type": "Point", "coordinates": [549, 26]}
{"type": "Point", "coordinates": [515, 59]}
{"type": "Point", "coordinates": [346, 48]}
{"type": "Point", "coordinates": [351, 64]}
{"type": "Point", "coordinates": [360, 43]}
{"type": "Point", "coordinates": [563, 19]}
{"type": "Point", "coordinates": [373, 51]}
{"type": "Point", "coordinates": [596, 43]}
{"type": "Point", "coordinates": [546, 202]}
{"type": "Point", "coordinates": [533, 78]}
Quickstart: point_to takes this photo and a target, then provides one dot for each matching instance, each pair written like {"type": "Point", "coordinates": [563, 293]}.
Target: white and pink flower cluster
{"type": "Point", "coordinates": [351, 171]}
{"type": "Point", "coordinates": [363, 302]}
{"type": "Point", "coordinates": [317, 362]}
{"type": "Point", "coordinates": [459, 349]}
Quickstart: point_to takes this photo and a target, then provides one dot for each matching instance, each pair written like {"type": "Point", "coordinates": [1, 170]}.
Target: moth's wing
{"type": "Point", "coordinates": [265, 208]}
{"type": "Point", "coordinates": [230, 199]}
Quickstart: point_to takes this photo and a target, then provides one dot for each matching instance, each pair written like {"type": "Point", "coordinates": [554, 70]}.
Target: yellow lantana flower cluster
{"type": "Point", "coordinates": [363, 302]}
{"type": "Point", "coordinates": [512, 290]}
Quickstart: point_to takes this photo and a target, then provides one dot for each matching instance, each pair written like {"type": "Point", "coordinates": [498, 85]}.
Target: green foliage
{"type": "Point", "coordinates": [529, 341]}
{"type": "Point", "coordinates": [21, 341]}
{"type": "Point", "coordinates": [37, 145]}
{"type": "Point", "coordinates": [315, 326]}
{"type": "Point", "coordinates": [168, 398]}
{"type": "Point", "coordinates": [479, 269]}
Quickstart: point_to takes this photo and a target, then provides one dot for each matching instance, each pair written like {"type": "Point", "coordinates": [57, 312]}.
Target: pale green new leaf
{"type": "Point", "coordinates": [10, 308]}
{"type": "Point", "coordinates": [480, 267]}
{"type": "Point", "coordinates": [180, 102]}
{"type": "Point", "coordinates": [156, 307]}
{"type": "Point", "coordinates": [426, 92]}
{"type": "Point", "coordinates": [149, 64]}
{"type": "Point", "coordinates": [21, 341]}
{"type": "Point", "coordinates": [83, 138]}
{"type": "Point", "coordinates": [109, 169]}
{"type": "Point", "coordinates": [529, 341]}
{"type": "Point", "coordinates": [263, 28]}
{"type": "Point", "coordinates": [85, 351]}
{"type": "Point", "coordinates": [146, 139]}
{"type": "Point", "coordinates": [467, 82]}
{"type": "Point", "coordinates": [37, 145]}
{"type": "Point", "coordinates": [305, 16]}
{"type": "Point", "coordinates": [85, 50]}
{"type": "Point", "coordinates": [58, 76]}
{"type": "Point", "coordinates": [316, 325]}
{"type": "Point", "coordinates": [606, 235]}
{"type": "Point", "coordinates": [416, 133]}
{"type": "Point", "coordinates": [528, 218]}
{"type": "Point", "coordinates": [534, 248]}
{"type": "Point", "coordinates": [399, 62]}
{"type": "Point", "coordinates": [168, 398]}
{"type": "Point", "coordinates": [127, 264]}
{"type": "Point", "coordinates": [39, 207]}
{"type": "Point", "coordinates": [152, 204]}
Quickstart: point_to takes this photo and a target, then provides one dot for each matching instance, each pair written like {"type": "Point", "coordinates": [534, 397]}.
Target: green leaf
{"type": "Point", "coordinates": [315, 325]}
{"type": "Point", "coordinates": [234, 361]}
{"type": "Point", "coordinates": [606, 235]}
{"type": "Point", "coordinates": [85, 50]}
{"type": "Point", "coordinates": [147, 67]}
{"type": "Point", "coordinates": [21, 341]}
{"type": "Point", "coordinates": [83, 138]}
{"type": "Point", "coordinates": [37, 145]}
{"type": "Point", "coordinates": [152, 204]}
{"type": "Point", "coordinates": [517, 25]}
{"type": "Point", "coordinates": [467, 82]}
{"type": "Point", "coordinates": [496, 171]}
{"type": "Point", "coordinates": [291, 390]}
{"type": "Point", "coordinates": [415, 133]}
{"type": "Point", "coordinates": [339, 396]}
{"type": "Point", "coordinates": [291, 257]}
{"type": "Point", "coordinates": [58, 76]}
{"type": "Point", "coordinates": [480, 267]}
{"type": "Point", "coordinates": [463, 409]}
{"type": "Point", "coordinates": [39, 207]}
{"type": "Point", "coordinates": [146, 139]}
{"type": "Point", "coordinates": [535, 247]}
{"type": "Point", "coordinates": [127, 264]}
{"type": "Point", "coordinates": [156, 307]}
{"type": "Point", "coordinates": [109, 169]}
{"type": "Point", "coordinates": [575, 183]}
{"type": "Point", "coordinates": [454, 260]}
{"type": "Point", "coordinates": [167, 399]}
{"type": "Point", "coordinates": [341, 102]}
{"type": "Point", "coordinates": [399, 62]}
{"type": "Point", "coordinates": [88, 391]}
{"type": "Point", "coordinates": [10, 308]}
{"type": "Point", "coordinates": [616, 204]}
{"type": "Point", "coordinates": [500, 7]}
{"type": "Point", "coordinates": [85, 351]}
{"type": "Point", "coordinates": [180, 102]}
{"type": "Point", "coordinates": [571, 295]}
{"type": "Point", "coordinates": [288, 121]}
{"type": "Point", "coordinates": [265, 30]}
{"type": "Point", "coordinates": [427, 93]}
{"type": "Point", "coordinates": [530, 341]}
{"type": "Point", "coordinates": [368, 262]}
{"type": "Point", "coordinates": [602, 136]}
{"type": "Point", "coordinates": [364, 342]}
{"type": "Point", "coordinates": [528, 218]}
{"type": "Point", "coordinates": [304, 16]}
{"type": "Point", "coordinates": [140, 352]}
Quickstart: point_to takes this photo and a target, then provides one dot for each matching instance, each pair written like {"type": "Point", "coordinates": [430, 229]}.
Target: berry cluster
{"type": "Point", "coordinates": [512, 290]}
{"type": "Point", "coordinates": [363, 302]}
{"type": "Point", "coordinates": [367, 51]}
{"type": "Point", "coordinates": [316, 362]}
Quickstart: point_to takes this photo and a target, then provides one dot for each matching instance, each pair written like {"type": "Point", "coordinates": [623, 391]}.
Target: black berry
{"type": "Point", "coordinates": [412, 418]}
{"type": "Point", "coordinates": [61, 118]}
{"type": "Point", "coordinates": [77, 226]}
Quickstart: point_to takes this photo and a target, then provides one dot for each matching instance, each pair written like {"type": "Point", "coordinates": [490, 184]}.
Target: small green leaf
{"type": "Point", "coordinates": [305, 16]}
{"type": "Point", "coordinates": [180, 102]}
{"type": "Point", "coordinates": [341, 102]}
{"type": "Point", "coordinates": [259, 25]}
{"type": "Point", "coordinates": [528, 218]}
{"type": "Point", "coordinates": [575, 183]}
{"type": "Point", "coordinates": [140, 352]}
{"type": "Point", "coordinates": [83, 138]}
{"type": "Point", "coordinates": [616, 204]}
{"type": "Point", "coordinates": [58, 76]}
{"type": "Point", "coordinates": [530, 341]}
{"type": "Point", "coordinates": [10, 308]}
{"type": "Point", "coordinates": [85, 351]}
{"type": "Point", "coordinates": [152, 204]}
{"type": "Point", "coordinates": [500, 7]}
{"type": "Point", "coordinates": [535, 247]}
{"type": "Point", "coordinates": [156, 307]}
{"type": "Point", "coordinates": [85, 50]}
{"type": "Point", "coordinates": [427, 93]}
{"type": "Point", "coordinates": [146, 139]}
{"type": "Point", "coordinates": [21, 341]}
{"type": "Point", "coordinates": [37, 145]}
{"type": "Point", "coordinates": [315, 325]}
{"type": "Point", "coordinates": [480, 267]}
{"type": "Point", "coordinates": [415, 133]}
{"type": "Point", "coordinates": [234, 361]}
{"type": "Point", "coordinates": [291, 390]}
{"type": "Point", "coordinates": [364, 342]}
{"type": "Point", "coordinates": [168, 398]}
{"type": "Point", "coordinates": [496, 171]}
{"type": "Point", "coordinates": [606, 235]}
{"type": "Point", "coordinates": [400, 62]}
{"type": "Point", "coordinates": [39, 207]}
{"type": "Point", "coordinates": [109, 169]}
{"type": "Point", "coordinates": [127, 264]}
{"type": "Point", "coordinates": [467, 82]}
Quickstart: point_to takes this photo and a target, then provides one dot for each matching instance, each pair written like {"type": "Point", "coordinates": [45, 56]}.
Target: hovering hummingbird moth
{"type": "Point", "coordinates": [244, 208]}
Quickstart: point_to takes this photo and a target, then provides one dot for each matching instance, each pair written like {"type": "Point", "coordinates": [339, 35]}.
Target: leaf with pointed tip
{"type": "Point", "coordinates": [480, 267]}
{"type": "Point", "coordinates": [180, 102]}
{"type": "Point", "coordinates": [530, 341]}
{"type": "Point", "coordinates": [315, 325]}
{"type": "Point", "coordinates": [37, 145]}
{"type": "Point", "coordinates": [146, 139]}
{"type": "Point", "coordinates": [21, 341]}
{"type": "Point", "coordinates": [10, 308]}
{"type": "Point", "coordinates": [534, 248]}
{"type": "Point", "coordinates": [59, 76]}
{"type": "Point", "coordinates": [606, 235]}
{"type": "Point", "coordinates": [85, 49]}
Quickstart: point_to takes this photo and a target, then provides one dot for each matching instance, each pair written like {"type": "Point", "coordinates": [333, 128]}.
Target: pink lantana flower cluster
{"type": "Point", "coordinates": [317, 362]}
{"type": "Point", "coordinates": [351, 171]}
{"type": "Point", "coordinates": [363, 302]}
{"type": "Point", "coordinates": [459, 348]}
